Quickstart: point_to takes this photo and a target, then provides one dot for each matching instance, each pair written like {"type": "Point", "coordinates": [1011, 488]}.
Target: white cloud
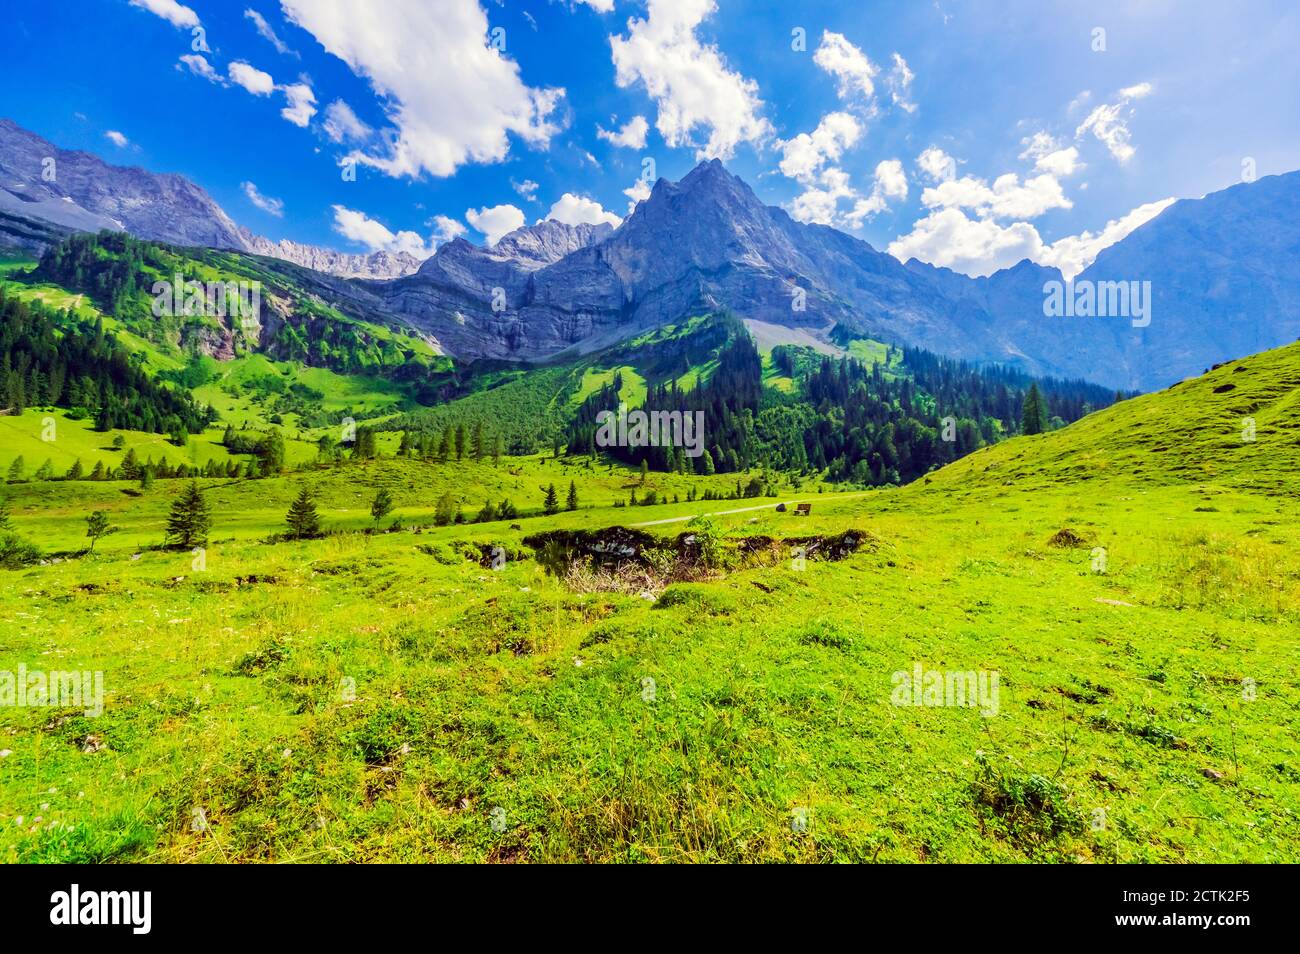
{"type": "Point", "coordinates": [495, 222]}
{"type": "Point", "coordinates": [688, 80]}
{"type": "Point", "coordinates": [374, 235]}
{"type": "Point", "coordinates": [445, 228]}
{"type": "Point", "coordinates": [600, 6]}
{"type": "Point", "coordinates": [852, 69]}
{"type": "Point", "coordinates": [890, 183]}
{"type": "Point", "coordinates": [342, 125]}
{"type": "Point", "coordinates": [900, 84]}
{"type": "Point", "coordinates": [265, 203]}
{"type": "Point", "coordinates": [937, 164]}
{"type": "Point", "coordinates": [117, 139]}
{"type": "Point", "coordinates": [1109, 122]}
{"type": "Point", "coordinates": [452, 98]}
{"type": "Point", "coordinates": [199, 66]}
{"type": "Point", "coordinates": [268, 33]}
{"type": "Point", "coordinates": [301, 106]}
{"type": "Point", "coordinates": [526, 189]}
{"type": "Point", "coordinates": [949, 238]}
{"type": "Point", "coordinates": [632, 135]}
{"type": "Point", "coordinates": [1007, 198]}
{"type": "Point", "coordinates": [177, 14]}
{"type": "Point", "coordinates": [250, 78]}
{"type": "Point", "coordinates": [576, 209]}
{"type": "Point", "coordinates": [1074, 253]}
{"type": "Point", "coordinates": [1049, 156]}
{"type": "Point", "coordinates": [806, 154]}
{"type": "Point", "coordinates": [819, 202]}
{"type": "Point", "coordinates": [638, 192]}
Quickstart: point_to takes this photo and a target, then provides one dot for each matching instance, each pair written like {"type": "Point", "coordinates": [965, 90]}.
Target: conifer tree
{"type": "Point", "coordinates": [302, 518]}
{"type": "Point", "coordinates": [190, 520]}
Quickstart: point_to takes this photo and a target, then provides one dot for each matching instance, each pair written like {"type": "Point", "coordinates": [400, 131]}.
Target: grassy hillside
{"type": "Point", "coordinates": [391, 697]}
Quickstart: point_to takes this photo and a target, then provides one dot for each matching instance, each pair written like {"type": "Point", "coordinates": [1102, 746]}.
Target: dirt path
{"type": "Point", "coordinates": [820, 498]}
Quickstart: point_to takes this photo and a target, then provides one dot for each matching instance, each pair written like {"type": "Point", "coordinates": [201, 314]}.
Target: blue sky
{"type": "Point", "coordinates": [966, 133]}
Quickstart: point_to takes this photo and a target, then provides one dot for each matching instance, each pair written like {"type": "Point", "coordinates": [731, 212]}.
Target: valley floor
{"type": "Point", "coordinates": [382, 697]}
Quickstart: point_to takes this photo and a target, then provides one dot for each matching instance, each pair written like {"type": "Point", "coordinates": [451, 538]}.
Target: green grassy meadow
{"type": "Point", "coordinates": [1133, 579]}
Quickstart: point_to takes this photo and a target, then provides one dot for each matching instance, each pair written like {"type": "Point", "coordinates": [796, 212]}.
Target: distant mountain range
{"type": "Point", "coordinates": [1224, 273]}
{"type": "Point", "coordinates": [41, 184]}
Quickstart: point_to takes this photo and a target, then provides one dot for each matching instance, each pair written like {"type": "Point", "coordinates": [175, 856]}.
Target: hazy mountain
{"type": "Point", "coordinates": [43, 185]}
{"type": "Point", "coordinates": [380, 264]}
{"type": "Point", "coordinates": [81, 191]}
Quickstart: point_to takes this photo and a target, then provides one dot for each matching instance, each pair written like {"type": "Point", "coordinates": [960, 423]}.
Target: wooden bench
{"type": "Point", "coordinates": [802, 510]}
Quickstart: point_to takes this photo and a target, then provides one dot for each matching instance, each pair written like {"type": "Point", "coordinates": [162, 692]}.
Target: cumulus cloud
{"type": "Point", "coordinates": [950, 238]}
{"type": "Point", "coordinates": [452, 98]}
{"type": "Point", "coordinates": [638, 192]}
{"type": "Point", "coordinates": [1049, 156]}
{"type": "Point", "coordinates": [937, 165]}
{"type": "Point", "coordinates": [576, 209]}
{"type": "Point", "coordinates": [632, 135]}
{"type": "Point", "coordinates": [445, 228]}
{"type": "Point", "coordinates": [853, 70]}
{"type": "Point", "coordinates": [890, 182]}
{"type": "Point", "coordinates": [342, 125]}
{"type": "Point", "coordinates": [177, 14]}
{"type": "Point", "coordinates": [807, 153]}
{"type": "Point", "coordinates": [689, 81]}
{"type": "Point", "coordinates": [1109, 122]}
{"type": "Point", "coordinates": [495, 222]}
{"type": "Point", "coordinates": [600, 6]}
{"type": "Point", "coordinates": [301, 107]}
{"type": "Point", "coordinates": [975, 247]}
{"type": "Point", "coordinates": [265, 203]}
{"type": "Point", "coordinates": [268, 33]}
{"type": "Point", "coordinates": [199, 66]}
{"type": "Point", "coordinates": [375, 236]}
{"type": "Point", "coordinates": [117, 139]}
{"type": "Point", "coordinates": [1074, 253]}
{"type": "Point", "coordinates": [250, 78]}
{"type": "Point", "coordinates": [1007, 197]}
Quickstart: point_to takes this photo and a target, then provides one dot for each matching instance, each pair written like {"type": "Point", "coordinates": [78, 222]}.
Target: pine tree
{"type": "Point", "coordinates": [16, 469]}
{"type": "Point", "coordinates": [460, 441]}
{"type": "Point", "coordinates": [75, 472]}
{"type": "Point", "coordinates": [382, 506]}
{"type": "Point", "coordinates": [1033, 415]}
{"type": "Point", "coordinates": [302, 518]}
{"type": "Point", "coordinates": [551, 504]}
{"type": "Point", "coordinates": [189, 521]}
{"type": "Point", "coordinates": [46, 470]}
{"type": "Point", "coordinates": [6, 524]}
{"type": "Point", "coordinates": [477, 443]}
{"type": "Point", "coordinates": [572, 502]}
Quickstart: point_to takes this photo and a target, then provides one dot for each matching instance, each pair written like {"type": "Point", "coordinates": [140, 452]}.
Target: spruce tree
{"type": "Point", "coordinates": [552, 502]}
{"type": "Point", "coordinates": [572, 502]}
{"type": "Point", "coordinates": [189, 521]}
{"type": "Point", "coordinates": [302, 518]}
{"type": "Point", "coordinates": [1033, 414]}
